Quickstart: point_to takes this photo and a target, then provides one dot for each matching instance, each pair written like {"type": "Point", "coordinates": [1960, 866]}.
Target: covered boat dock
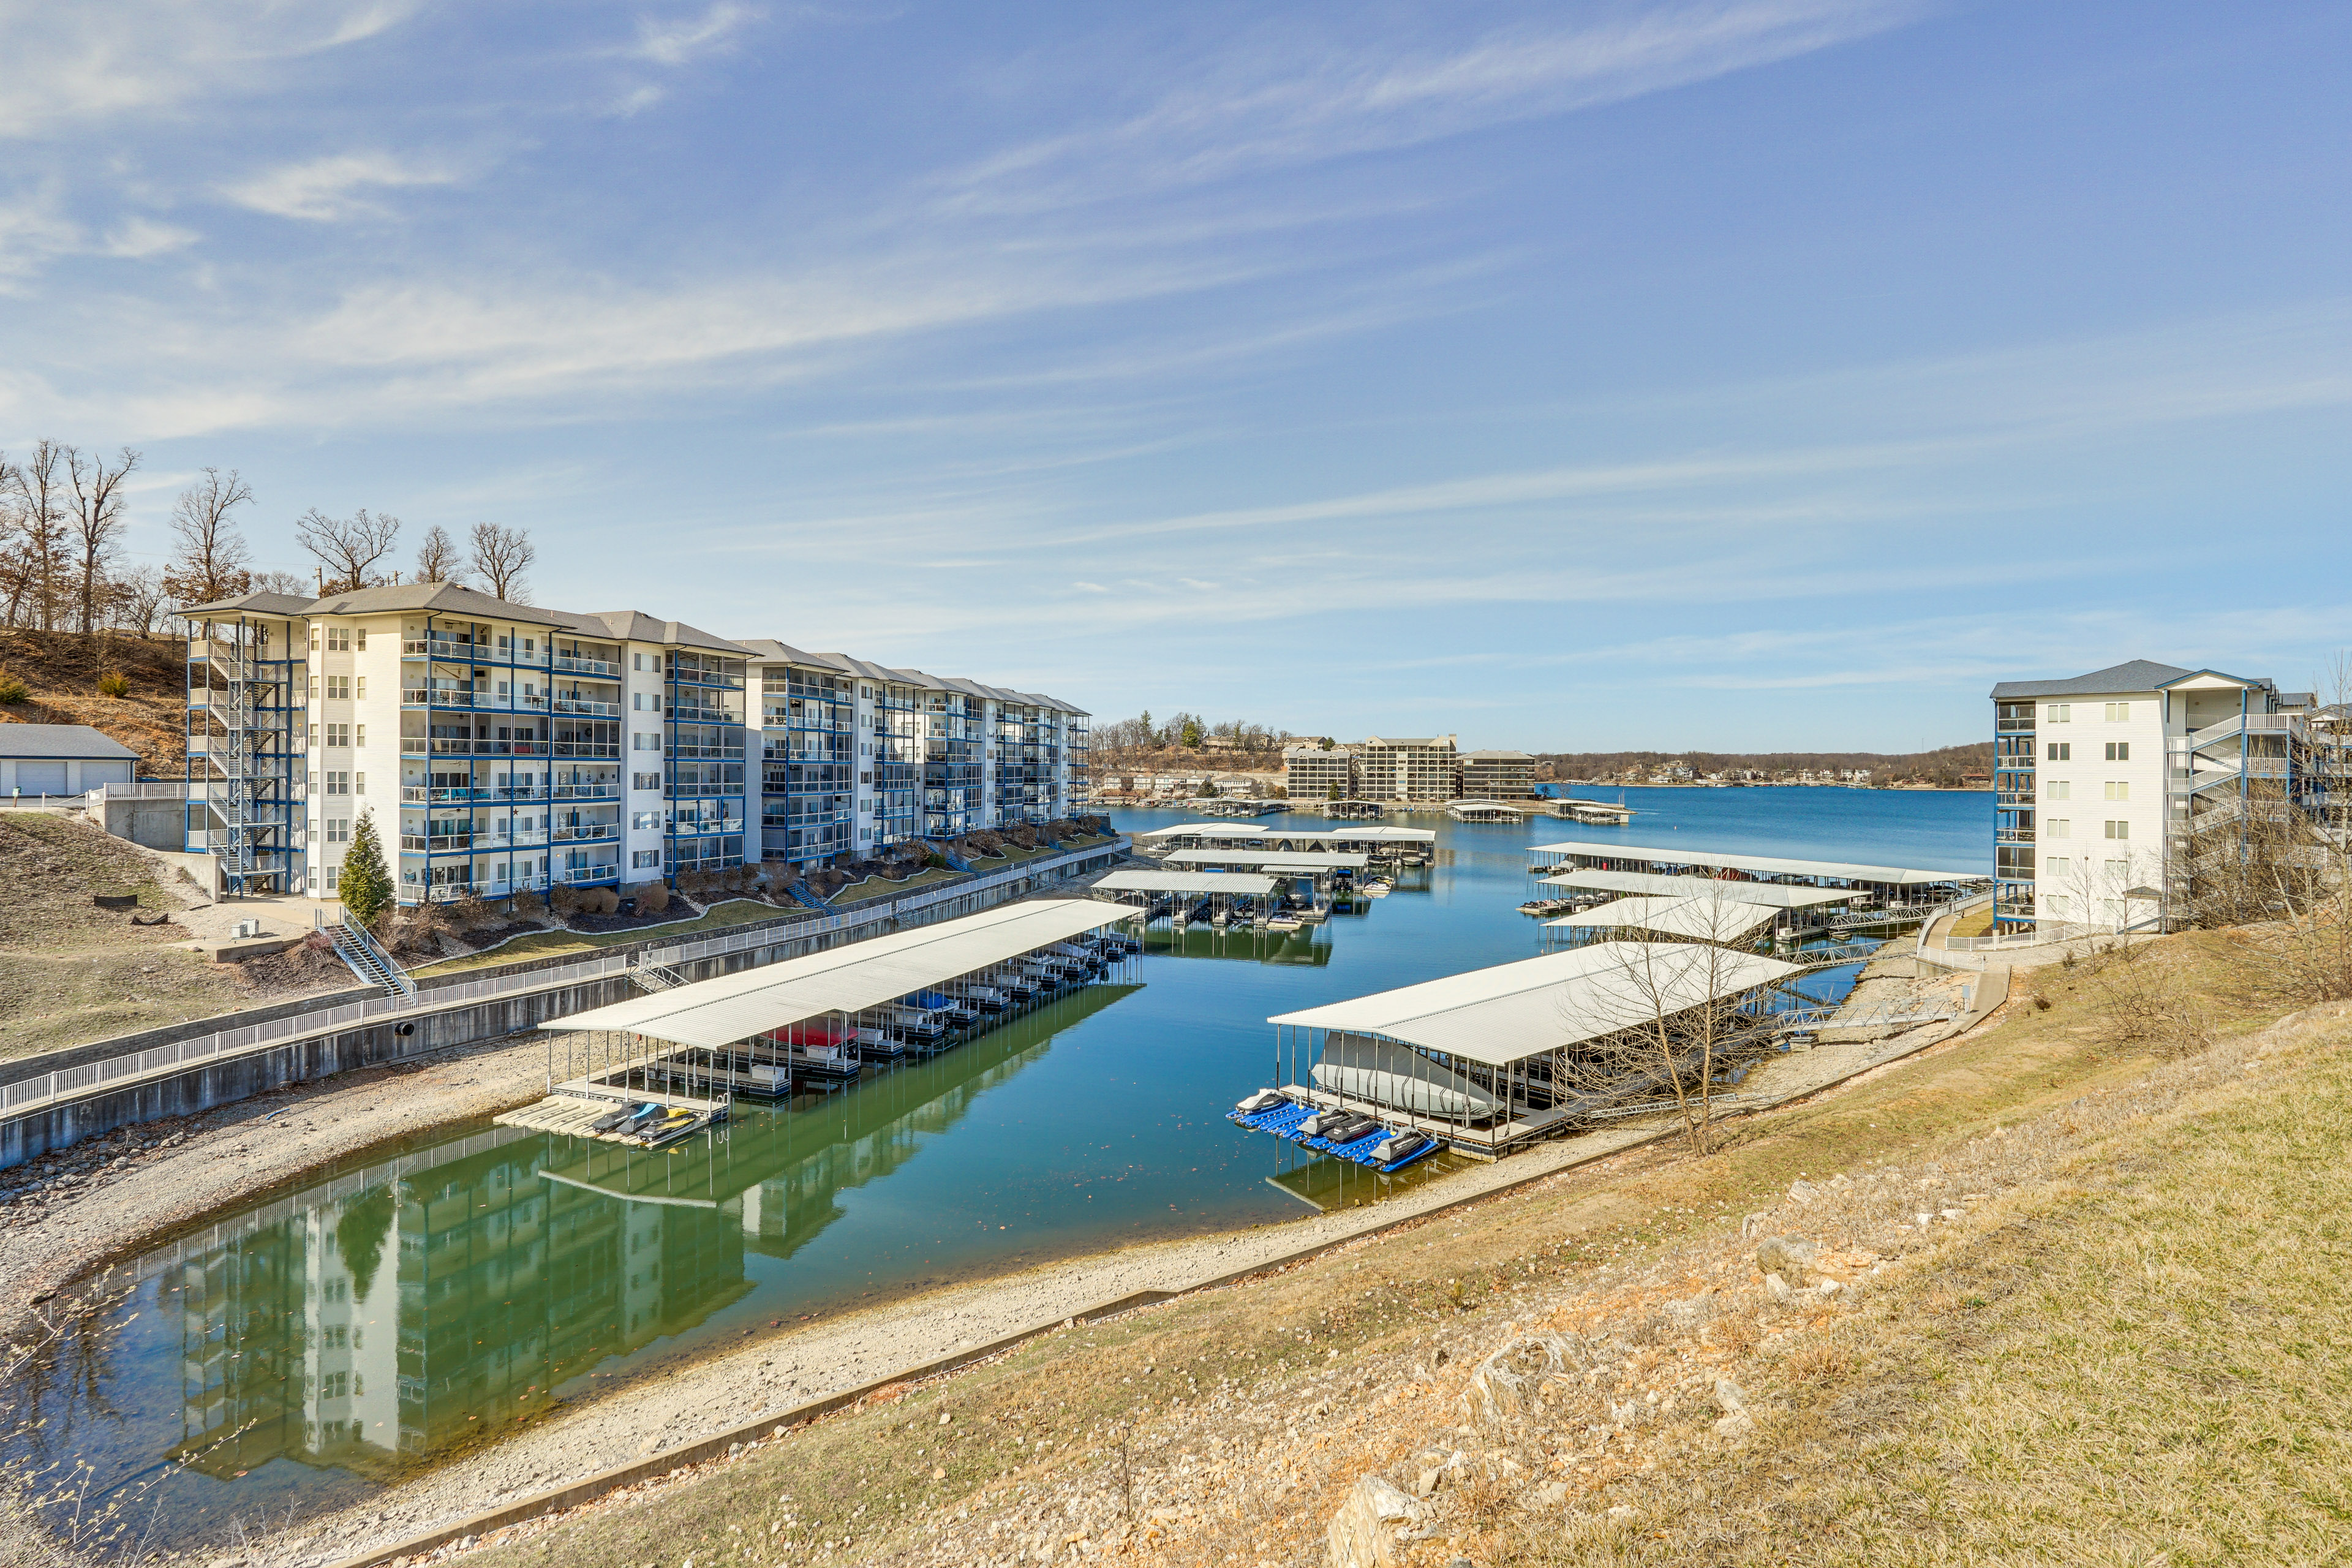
{"type": "Point", "coordinates": [1482, 1060]}
{"type": "Point", "coordinates": [1219, 898]}
{"type": "Point", "coordinates": [815, 1018]}
{"type": "Point", "coordinates": [1888, 884]}
{"type": "Point", "coordinates": [1724, 919]}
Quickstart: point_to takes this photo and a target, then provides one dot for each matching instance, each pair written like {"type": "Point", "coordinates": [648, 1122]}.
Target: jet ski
{"type": "Point", "coordinates": [1264, 1099]}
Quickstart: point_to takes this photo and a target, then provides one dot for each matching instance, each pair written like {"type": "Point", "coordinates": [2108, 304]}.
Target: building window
{"type": "Point", "coordinates": [2062, 751]}
{"type": "Point", "coordinates": [645, 781]}
{"type": "Point", "coordinates": [2057, 866]}
{"type": "Point", "coordinates": [362, 639]}
{"type": "Point", "coordinates": [644, 859]}
{"type": "Point", "coordinates": [2118, 712]}
{"type": "Point", "coordinates": [644, 819]}
{"type": "Point", "coordinates": [2061, 712]}
{"type": "Point", "coordinates": [338, 782]}
{"type": "Point", "coordinates": [338, 830]}
{"type": "Point", "coordinates": [2059, 827]}
{"type": "Point", "coordinates": [339, 687]}
{"type": "Point", "coordinates": [359, 734]}
{"type": "Point", "coordinates": [334, 874]}
{"type": "Point", "coordinates": [339, 639]}
{"type": "Point", "coordinates": [2119, 831]}
{"type": "Point", "coordinates": [644, 740]}
{"type": "Point", "coordinates": [2118, 789]}
{"type": "Point", "coordinates": [2061, 789]}
{"type": "Point", "coordinates": [2119, 750]}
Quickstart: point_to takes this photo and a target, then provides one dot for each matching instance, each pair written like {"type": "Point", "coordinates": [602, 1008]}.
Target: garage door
{"type": "Point", "coordinates": [41, 778]}
{"type": "Point", "coordinates": [94, 773]}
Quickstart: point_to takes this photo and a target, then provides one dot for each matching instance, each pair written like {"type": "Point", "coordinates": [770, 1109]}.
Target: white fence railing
{"type": "Point", "coordinates": [32, 1093]}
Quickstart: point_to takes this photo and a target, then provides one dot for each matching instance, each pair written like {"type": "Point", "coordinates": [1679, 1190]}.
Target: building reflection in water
{"type": "Point", "coordinates": [403, 1312]}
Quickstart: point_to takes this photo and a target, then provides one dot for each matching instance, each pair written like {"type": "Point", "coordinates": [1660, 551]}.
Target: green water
{"type": "Point", "coordinates": [312, 1347]}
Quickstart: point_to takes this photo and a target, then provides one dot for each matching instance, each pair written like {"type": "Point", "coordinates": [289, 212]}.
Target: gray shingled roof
{"type": "Point", "coordinates": [2138, 675]}
{"type": "Point", "coordinates": [257, 603]}
{"type": "Point", "coordinates": [437, 598]}
{"type": "Point", "coordinates": [636, 625]}
{"type": "Point", "coordinates": [70, 740]}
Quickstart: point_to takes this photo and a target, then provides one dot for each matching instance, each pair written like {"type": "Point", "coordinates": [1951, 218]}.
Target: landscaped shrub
{"type": "Point", "coordinates": [565, 900]}
{"type": "Point", "coordinates": [601, 901]}
{"type": "Point", "coordinates": [653, 899]}
{"type": "Point", "coordinates": [114, 683]}
{"type": "Point", "coordinates": [13, 691]}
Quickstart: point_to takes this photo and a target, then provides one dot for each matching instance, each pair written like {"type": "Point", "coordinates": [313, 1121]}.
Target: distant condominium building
{"type": "Point", "coordinates": [1497, 776]}
{"type": "Point", "coordinates": [1422, 769]}
{"type": "Point", "coordinates": [501, 748]}
{"type": "Point", "coordinates": [2103, 780]}
{"type": "Point", "coordinates": [1310, 771]}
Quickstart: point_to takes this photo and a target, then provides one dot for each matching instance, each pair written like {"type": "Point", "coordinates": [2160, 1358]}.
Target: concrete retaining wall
{"type": "Point", "coordinates": [222, 1080]}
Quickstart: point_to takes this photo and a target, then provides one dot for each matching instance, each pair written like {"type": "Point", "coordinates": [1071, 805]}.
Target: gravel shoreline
{"type": "Point", "coordinates": [65, 1216]}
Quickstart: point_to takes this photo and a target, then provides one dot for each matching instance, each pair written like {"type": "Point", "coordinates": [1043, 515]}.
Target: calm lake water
{"type": "Point", "coordinates": [308, 1350]}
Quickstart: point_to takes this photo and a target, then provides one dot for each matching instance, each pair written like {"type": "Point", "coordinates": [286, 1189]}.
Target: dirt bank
{"type": "Point", "coordinates": [66, 1213]}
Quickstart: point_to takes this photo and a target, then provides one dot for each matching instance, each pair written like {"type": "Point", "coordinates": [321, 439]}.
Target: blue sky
{"type": "Point", "coordinates": [1745, 373]}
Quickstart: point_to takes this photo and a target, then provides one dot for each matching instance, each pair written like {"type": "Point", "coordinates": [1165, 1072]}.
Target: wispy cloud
{"type": "Point", "coordinates": [677, 41]}
{"type": "Point", "coordinates": [80, 62]}
{"type": "Point", "coordinates": [336, 187]}
{"type": "Point", "coordinates": [1253, 107]}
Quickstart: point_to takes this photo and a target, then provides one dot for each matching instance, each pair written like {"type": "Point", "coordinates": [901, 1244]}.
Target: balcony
{"type": "Point", "coordinates": [475, 747]}
{"type": "Point", "coordinates": [589, 750]}
{"type": "Point", "coordinates": [593, 709]}
{"type": "Point", "coordinates": [581, 875]}
{"type": "Point", "coordinates": [569, 666]}
{"type": "Point", "coordinates": [703, 828]}
{"type": "Point", "coordinates": [586, 833]}
{"type": "Point", "coordinates": [587, 791]}
{"type": "Point", "coordinates": [436, 842]}
{"type": "Point", "coordinates": [704, 754]}
{"type": "Point", "coordinates": [445, 647]}
{"type": "Point", "coordinates": [417, 795]}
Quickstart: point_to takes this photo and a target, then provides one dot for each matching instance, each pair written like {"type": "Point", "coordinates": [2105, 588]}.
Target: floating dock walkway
{"type": "Point", "coordinates": [1282, 1122]}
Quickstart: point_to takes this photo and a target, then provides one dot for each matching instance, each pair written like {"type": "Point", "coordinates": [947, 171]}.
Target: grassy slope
{"type": "Point", "coordinates": [1210, 1383]}
{"type": "Point", "coordinates": [70, 971]}
{"type": "Point", "coordinates": [718, 917]}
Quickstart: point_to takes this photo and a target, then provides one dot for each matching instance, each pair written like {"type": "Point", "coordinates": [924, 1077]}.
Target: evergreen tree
{"type": "Point", "coordinates": [366, 884]}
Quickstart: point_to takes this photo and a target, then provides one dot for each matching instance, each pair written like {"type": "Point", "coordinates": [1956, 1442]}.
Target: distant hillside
{"type": "Point", "coordinates": [1944, 766]}
{"type": "Point", "coordinates": [61, 670]}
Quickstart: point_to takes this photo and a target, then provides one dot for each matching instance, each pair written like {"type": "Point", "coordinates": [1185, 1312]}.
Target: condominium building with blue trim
{"type": "Point", "coordinates": [502, 748]}
{"type": "Point", "coordinates": [2101, 781]}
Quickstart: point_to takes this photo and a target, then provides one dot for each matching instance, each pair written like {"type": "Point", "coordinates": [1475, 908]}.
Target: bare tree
{"type": "Point", "coordinates": [209, 560]}
{"type": "Point", "coordinates": [138, 599]}
{"type": "Point", "coordinates": [1664, 1017]}
{"type": "Point", "coordinates": [347, 548]}
{"type": "Point", "coordinates": [438, 560]}
{"type": "Point", "coordinates": [290, 582]}
{"type": "Point", "coordinates": [36, 558]}
{"type": "Point", "coordinates": [97, 522]}
{"type": "Point", "coordinates": [503, 556]}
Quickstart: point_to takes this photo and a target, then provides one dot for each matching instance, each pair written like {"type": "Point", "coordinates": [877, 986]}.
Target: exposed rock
{"type": "Point", "coordinates": [1776, 1287]}
{"type": "Point", "coordinates": [1735, 1425]}
{"type": "Point", "coordinates": [1363, 1534]}
{"type": "Point", "coordinates": [1801, 1191]}
{"type": "Point", "coordinates": [1789, 1257]}
{"type": "Point", "coordinates": [1507, 1384]}
{"type": "Point", "coordinates": [1729, 1397]}
{"type": "Point", "coordinates": [1553, 1493]}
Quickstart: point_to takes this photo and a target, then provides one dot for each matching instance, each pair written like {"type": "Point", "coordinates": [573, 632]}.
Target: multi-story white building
{"type": "Point", "coordinates": [1309, 772]}
{"type": "Point", "coordinates": [1422, 769]}
{"type": "Point", "coordinates": [1497, 776]}
{"type": "Point", "coordinates": [501, 748]}
{"type": "Point", "coordinates": [2098, 778]}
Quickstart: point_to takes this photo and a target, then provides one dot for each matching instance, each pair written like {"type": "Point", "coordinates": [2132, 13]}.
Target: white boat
{"type": "Point", "coordinates": [1286, 922]}
{"type": "Point", "coordinates": [1375, 889]}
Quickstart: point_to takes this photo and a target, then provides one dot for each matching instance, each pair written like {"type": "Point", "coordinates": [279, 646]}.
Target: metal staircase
{"type": "Point", "coordinates": [368, 960]}
{"type": "Point", "coordinates": [652, 978]}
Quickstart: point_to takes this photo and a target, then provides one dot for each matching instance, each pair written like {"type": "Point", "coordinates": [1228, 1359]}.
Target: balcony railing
{"type": "Point", "coordinates": [436, 842]}
{"type": "Point", "coordinates": [570, 665]}
{"type": "Point", "coordinates": [588, 791]}
{"type": "Point", "coordinates": [586, 833]}
{"type": "Point", "coordinates": [439, 747]}
{"type": "Point", "coordinates": [579, 875]}
{"type": "Point", "coordinates": [593, 708]}
{"type": "Point", "coordinates": [589, 750]}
